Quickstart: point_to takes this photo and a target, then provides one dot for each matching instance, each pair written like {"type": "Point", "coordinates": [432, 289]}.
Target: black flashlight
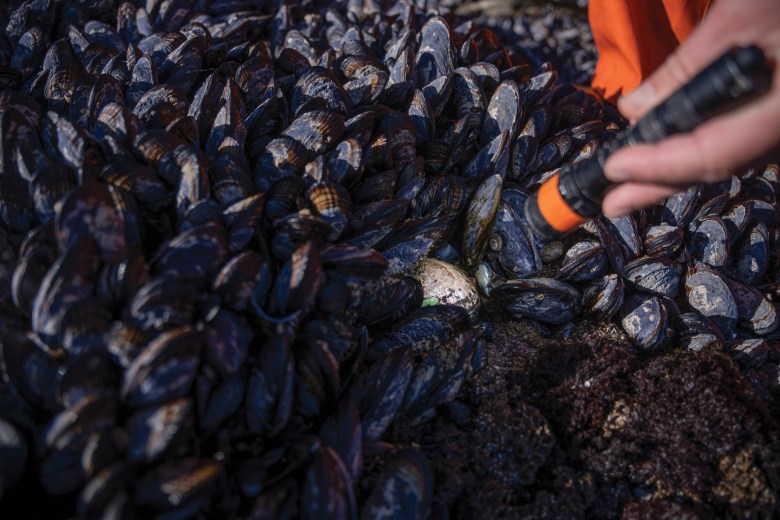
{"type": "Point", "coordinates": [575, 194]}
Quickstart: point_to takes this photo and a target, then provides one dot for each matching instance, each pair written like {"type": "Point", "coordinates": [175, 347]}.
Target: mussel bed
{"type": "Point", "coordinates": [269, 260]}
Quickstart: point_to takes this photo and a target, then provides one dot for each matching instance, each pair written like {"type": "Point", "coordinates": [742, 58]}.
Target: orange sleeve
{"type": "Point", "coordinates": [634, 37]}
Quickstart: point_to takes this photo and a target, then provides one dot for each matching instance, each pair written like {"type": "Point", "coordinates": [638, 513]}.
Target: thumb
{"type": "Point", "coordinates": [699, 50]}
{"type": "Point", "coordinates": [675, 72]}
{"type": "Point", "coordinates": [638, 102]}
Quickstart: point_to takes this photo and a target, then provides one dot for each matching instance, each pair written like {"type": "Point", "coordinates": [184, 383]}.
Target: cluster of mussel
{"type": "Point", "coordinates": [555, 31]}
{"type": "Point", "coordinates": [698, 270]}
{"type": "Point", "coordinates": [561, 37]}
{"type": "Point", "coordinates": [207, 223]}
{"type": "Point", "coordinates": [213, 213]}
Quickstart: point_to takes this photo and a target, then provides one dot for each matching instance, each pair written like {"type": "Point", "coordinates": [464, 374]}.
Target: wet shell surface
{"type": "Point", "coordinates": [250, 253]}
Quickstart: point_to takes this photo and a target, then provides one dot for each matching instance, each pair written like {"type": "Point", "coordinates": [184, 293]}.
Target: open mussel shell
{"type": "Point", "coordinates": [444, 283]}
{"type": "Point", "coordinates": [543, 299]}
{"type": "Point", "coordinates": [487, 276]}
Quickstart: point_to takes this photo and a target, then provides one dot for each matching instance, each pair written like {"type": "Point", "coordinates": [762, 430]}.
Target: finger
{"type": "Point", "coordinates": [625, 198]}
{"type": "Point", "coordinates": [704, 45]}
{"type": "Point", "coordinates": [709, 154]}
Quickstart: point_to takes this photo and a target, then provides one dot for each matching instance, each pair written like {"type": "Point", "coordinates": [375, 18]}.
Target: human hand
{"type": "Point", "coordinates": [649, 173]}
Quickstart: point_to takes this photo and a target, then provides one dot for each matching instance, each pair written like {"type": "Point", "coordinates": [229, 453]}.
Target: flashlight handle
{"type": "Point", "coordinates": [738, 76]}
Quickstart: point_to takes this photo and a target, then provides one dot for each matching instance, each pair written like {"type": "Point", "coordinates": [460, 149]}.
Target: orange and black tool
{"type": "Point", "coordinates": [575, 194]}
